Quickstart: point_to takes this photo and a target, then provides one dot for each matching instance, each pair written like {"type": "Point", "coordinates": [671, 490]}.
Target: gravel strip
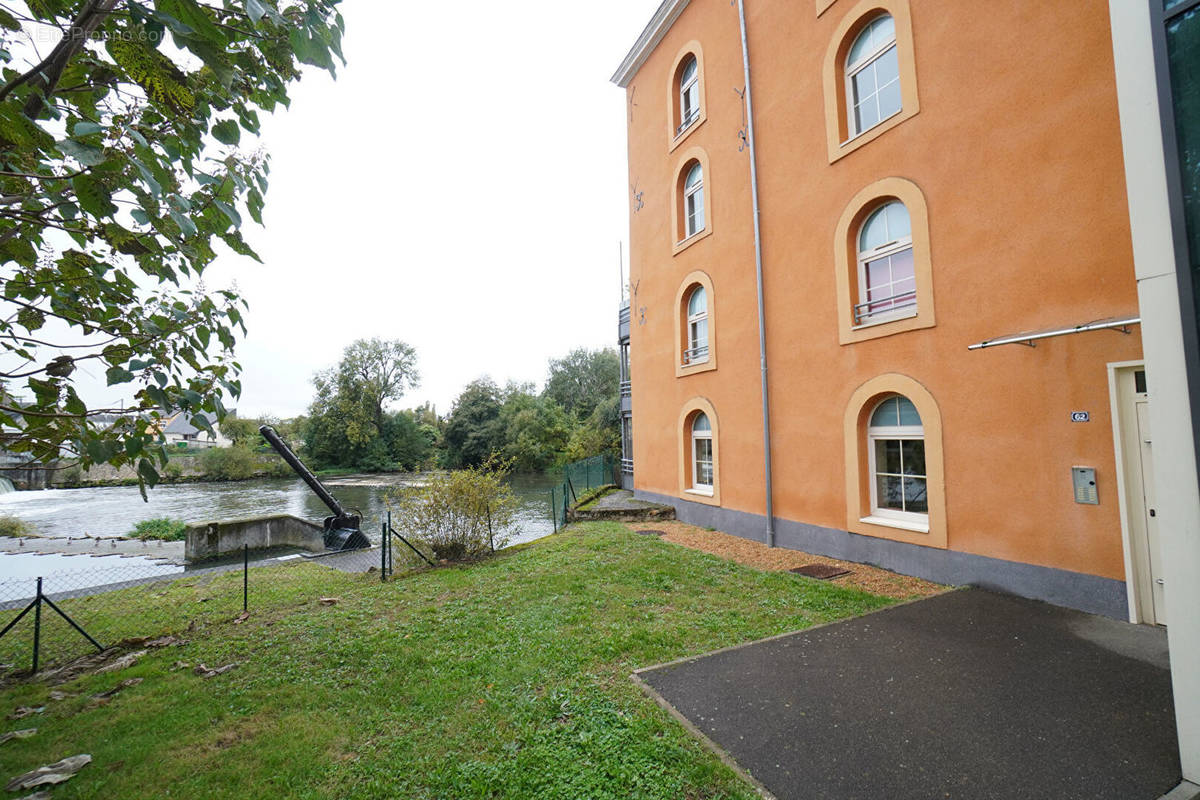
{"type": "Point", "coordinates": [758, 555]}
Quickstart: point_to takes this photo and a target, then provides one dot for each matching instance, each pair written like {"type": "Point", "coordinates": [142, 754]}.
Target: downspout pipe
{"type": "Point", "coordinates": [758, 274]}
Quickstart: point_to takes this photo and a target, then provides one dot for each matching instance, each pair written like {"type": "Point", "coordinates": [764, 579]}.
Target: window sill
{"type": "Point", "coordinates": [884, 320]}
{"type": "Point", "coordinates": [684, 244]}
{"type": "Point", "coordinates": [702, 492]}
{"type": "Point", "coordinates": [707, 365]}
{"type": "Point", "coordinates": [867, 131]}
{"type": "Point", "coordinates": [838, 150]}
{"type": "Point", "coordinates": [888, 522]}
{"type": "Point", "coordinates": [682, 135]}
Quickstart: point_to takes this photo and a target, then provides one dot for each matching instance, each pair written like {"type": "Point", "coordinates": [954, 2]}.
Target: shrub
{"type": "Point", "coordinates": [275, 467]}
{"type": "Point", "coordinates": [460, 513]}
{"type": "Point", "coordinates": [169, 530]}
{"type": "Point", "coordinates": [229, 463]}
{"type": "Point", "coordinates": [12, 527]}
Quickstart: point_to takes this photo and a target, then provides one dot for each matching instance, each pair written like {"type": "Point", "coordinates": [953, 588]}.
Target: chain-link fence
{"type": "Point", "coordinates": [589, 473]}
{"type": "Point", "coordinates": [580, 477]}
{"type": "Point", "coordinates": [62, 615]}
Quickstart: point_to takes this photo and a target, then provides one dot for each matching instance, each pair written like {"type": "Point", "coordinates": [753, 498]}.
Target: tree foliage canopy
{"type": "Point", "coordinates": [582, 379]}
{"type": "Point", "coordinates": [349, 424]}
{"type": "Point", "coordinates": [119, 173]}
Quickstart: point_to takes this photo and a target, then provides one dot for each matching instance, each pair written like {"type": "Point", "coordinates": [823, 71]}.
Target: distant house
{"type": "Point", "coordinates": [180, 432]}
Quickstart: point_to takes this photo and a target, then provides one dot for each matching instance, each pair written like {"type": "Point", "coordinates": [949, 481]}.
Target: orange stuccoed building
{"type": "Point", "coordinates": [882, 304]}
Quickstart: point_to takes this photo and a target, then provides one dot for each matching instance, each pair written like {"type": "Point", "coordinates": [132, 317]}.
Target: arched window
{"type": "Point", "coordinates": [702, 454]}
{"type": "Point", "coordinates": [693, 201]}
{"type": "Point", "coordinates": [689, 94]}
{"type": "Point", "coordinates": [896, 449]}
{"type": "Point", "coordinates": [886, 276]}
{"type": "Point", "coordinates": [872, 76]}
{"type": "Point", "coordinates": [697, 327]}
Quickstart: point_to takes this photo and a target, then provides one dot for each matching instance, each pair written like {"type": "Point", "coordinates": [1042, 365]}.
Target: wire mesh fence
{"type": "Point", "coordinates": [580, 477]}
{"type": "Point", "coordinates": [589, 473]}
{"type": "Point", "coordinates": [59, 616]}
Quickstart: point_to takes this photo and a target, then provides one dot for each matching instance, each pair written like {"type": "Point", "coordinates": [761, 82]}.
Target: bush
{"type": "Point", "coordinates": [12, 527]}
{"type": "Point", "coordinates": [229, 463]}
{"type": "Point", "coordinates": [460, 513]}
{"type": "Point", "coordinates": [168, 530]}
{"type": "Point", "coordinates": [275, 467]}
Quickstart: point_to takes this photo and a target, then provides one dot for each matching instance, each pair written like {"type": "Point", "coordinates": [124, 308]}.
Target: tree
{"type": "Point", "coordinates": [536, 431]}
{"type": "Point", "coordinates": [349, 425]}
{"type": "Point", "coordinates": [240, 430]}
{"type": "Point", "coordinates": [600, 433]}
{"type": "Point", "coordinates": [583, 379]}
{"type": "Point", "coordinates": [119, 172]}
{"type": "Point", "coordinates": [474, 430]}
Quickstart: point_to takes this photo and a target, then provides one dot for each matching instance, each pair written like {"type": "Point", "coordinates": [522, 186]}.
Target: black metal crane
{"type": "Point", "coordinates": [342, 531]}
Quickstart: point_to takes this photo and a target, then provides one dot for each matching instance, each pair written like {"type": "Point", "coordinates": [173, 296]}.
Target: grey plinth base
{"type": "Point", "coordinates": [206, 540]}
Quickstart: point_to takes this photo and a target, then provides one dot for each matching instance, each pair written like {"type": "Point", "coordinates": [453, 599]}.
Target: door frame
{"type": "Point", "coordinates": [1114, 368]}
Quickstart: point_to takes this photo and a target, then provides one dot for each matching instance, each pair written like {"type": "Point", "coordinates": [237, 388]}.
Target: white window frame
{"type": "Point", "coordinates": [689, 96]}
{"type": "Point", "coordinates": [696, 438]}
{"type": "Point", "coordinates": [690, 228]}
{"type": "Point", "coordinates": [865, 257]}
{"type": "Point", "coordinates": [913, 520]}
{"type": "Point", "coordinates": [857, 67]}
{"type": "Point", "coordinates": [692, 354]}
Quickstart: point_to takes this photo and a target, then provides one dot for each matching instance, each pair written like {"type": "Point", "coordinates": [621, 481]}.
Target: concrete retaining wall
{"type": "Point", "coordinates": [207, 540]}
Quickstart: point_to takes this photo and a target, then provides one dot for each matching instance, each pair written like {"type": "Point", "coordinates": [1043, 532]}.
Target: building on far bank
{"type": "Point", "coordinates": [948, 334]}
{"type": "Point", "coordinates": [180, 432]}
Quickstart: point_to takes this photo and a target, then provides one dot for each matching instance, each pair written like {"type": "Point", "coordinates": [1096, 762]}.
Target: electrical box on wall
{"type": "Point", "coordinates": [1084, 481]}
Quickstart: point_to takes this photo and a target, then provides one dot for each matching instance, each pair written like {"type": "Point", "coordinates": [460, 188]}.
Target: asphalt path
{"type": "Point", "coordinates": [968, 695]}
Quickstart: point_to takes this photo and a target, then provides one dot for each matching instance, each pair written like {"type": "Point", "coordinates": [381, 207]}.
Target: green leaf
{"type": "Point", "coordinates": [147, 473]}
{"type": "Point", "coordinates": [230, 212]}
{"type": "Point", "coordinates": [185, 224]}
{"type": "Point", "coordinates": [84, 127]}
{"type": "Point", "coordinates": [148, 177]}
{"type": "Point", "coordinates": [93, 196]}
{"type": "Point", "coordinates": [227, 132]}
{"type": "Point", "coordinates": [85, 154]}
{"type": "Point", "coordinates": [118, 375]}
{"type": "Point", "coordinates": [255, 10]}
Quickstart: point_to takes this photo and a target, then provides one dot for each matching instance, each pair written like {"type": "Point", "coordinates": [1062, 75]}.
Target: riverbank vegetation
{"type": "Point", "coordinates": [13, 528]}
{"type": "Point", "coordinates": [160, 528]}
{"type": "Point", "coordinates": [505, 679]}
{"type": "Point", "coordinates": [459, 514]}
{"type": "Point", "coordinates": [576, 414]}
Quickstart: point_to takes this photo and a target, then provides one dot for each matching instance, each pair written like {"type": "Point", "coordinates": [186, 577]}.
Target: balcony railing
{"type": "Point", "coordinates": [626, 388]}
{"type": "Point", "coordinates": [623, 315]}
{"type": "Point", "coordinates": [688, 120]}
{"type": "Point", "coordinates": [695, 355]}
{"type": "Point", "coordinates": [864, 311]}
{"type": "Point", "coordinates": [627, 466]}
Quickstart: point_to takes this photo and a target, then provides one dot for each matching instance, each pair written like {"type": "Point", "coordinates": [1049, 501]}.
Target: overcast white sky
{"type": "Point", "coordinates": [461, 186]}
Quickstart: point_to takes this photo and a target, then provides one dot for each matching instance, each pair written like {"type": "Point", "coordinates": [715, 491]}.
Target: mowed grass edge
{"type": "Point", "coordinates": [505, 679]}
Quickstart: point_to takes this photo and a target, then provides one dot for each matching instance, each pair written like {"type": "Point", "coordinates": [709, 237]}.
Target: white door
{"type": "Point", "coordinates": [1153, 546]}
{"type": "Point", "coordinates": [1145, 551]}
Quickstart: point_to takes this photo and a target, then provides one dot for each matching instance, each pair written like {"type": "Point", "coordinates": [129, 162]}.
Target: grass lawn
{"type": "Point", "coordinates": [506, 679]}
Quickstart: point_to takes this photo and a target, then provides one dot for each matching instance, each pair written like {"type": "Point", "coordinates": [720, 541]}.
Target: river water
{"type": "Point", "coordinates": [113, 511]}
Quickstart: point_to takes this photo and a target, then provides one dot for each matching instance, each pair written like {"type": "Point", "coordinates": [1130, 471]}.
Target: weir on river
{"type": "Point", "coordinates": [113, 511]}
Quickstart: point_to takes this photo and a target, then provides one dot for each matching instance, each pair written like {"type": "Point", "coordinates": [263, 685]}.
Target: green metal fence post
{"type": "Point", "coordinates": [245, 577]}
{"type": "Point", "coordinates": [383, 537]}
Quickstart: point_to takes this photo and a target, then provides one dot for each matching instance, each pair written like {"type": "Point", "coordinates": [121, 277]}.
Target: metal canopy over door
{"type": "Point", "coordinates": [1145, 550]}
